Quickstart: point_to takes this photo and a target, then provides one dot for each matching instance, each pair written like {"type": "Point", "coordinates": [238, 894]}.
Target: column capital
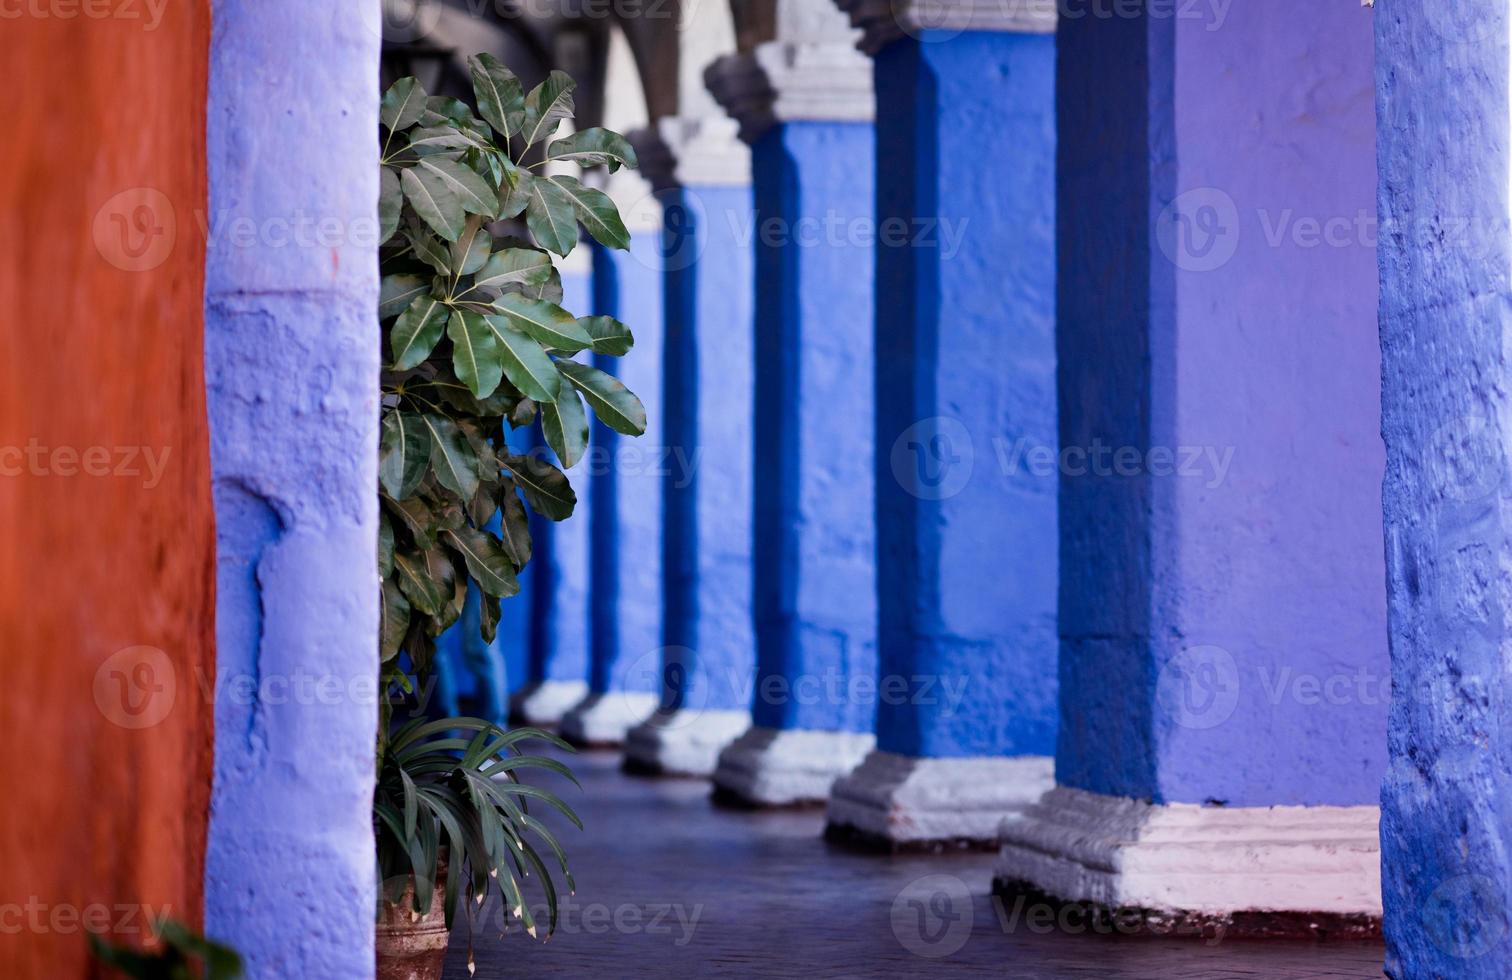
{"type": "Point", "coordinates": [884, 21]}
{"type": "Point", "coordinates": [786, 81]}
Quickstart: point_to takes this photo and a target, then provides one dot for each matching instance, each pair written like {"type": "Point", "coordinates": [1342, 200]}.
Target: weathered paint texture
{"type": "Point", "coordinates": [291, 365]}
{"type": "Point", "coordinates": [628, 476]}
{"type": "Point", "coordinates": [1222, 617]}
{"type": "Point", "coordinates": [559, 549]}
{"type": "Point", "coordinates": [1444, 154]}
{"type": "Point", "coordinates": [965, 372]}
{"type": "Point", "coordinates": [815, 601]}
{"type": "Point", "coordinates": [710, 654]}
{"type": "Point", "coordinates": [106, 572]}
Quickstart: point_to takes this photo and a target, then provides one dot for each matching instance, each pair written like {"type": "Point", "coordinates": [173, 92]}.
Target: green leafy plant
{"type": "Point", "coordinates": [181, 954]}
{"type": "Point", "coordinates": [478, 346]}
{"type": "Point", "coordinates": [449, 792]}
{"type": "Point", "coordinates": [478, 343]}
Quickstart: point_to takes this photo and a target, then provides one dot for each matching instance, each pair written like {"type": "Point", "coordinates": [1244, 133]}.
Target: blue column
{"type": "Point", "coordinates": [1446, 814]}
{"type": "Point", "coordinates": [559, 569]}
{"type": "Point", "coordinates": [628, 476]}
{"type": "Point", "coordinates": [291, 364]}
{"type": "Point", "coordinates": [815, 591]}
{"type": "Point", "coordinates": [1223, 628]}
{"type": "Point", "coordinates": [965, 365]}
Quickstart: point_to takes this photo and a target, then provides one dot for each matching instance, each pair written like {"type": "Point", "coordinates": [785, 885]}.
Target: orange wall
{"type": "Point", "coordinates": [100, 346]}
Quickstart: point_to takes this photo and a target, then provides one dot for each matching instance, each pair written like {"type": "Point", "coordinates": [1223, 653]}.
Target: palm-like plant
{"type": "Point", "coordinates": [449, 790]}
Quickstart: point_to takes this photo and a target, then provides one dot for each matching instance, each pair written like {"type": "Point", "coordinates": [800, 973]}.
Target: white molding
{"type": "Point", "coordinates": [884, 21]}
{"type": "Point", "coordinates": [683, 743]}
{"type": "Point", "coordinates": [1123, 853]}
{"type": "Point", "coordinates": [545, 702]}
{"type": "Point", "coordinates": [909, 801]}
{"type": "Point", "coordinates": [786, 81]}
{"type": "Point", "coordinates": [771, 767]}
{"type": "Point", "coordinates": [603, 719]}
{"type": "Point", "coordinates": [698, 151]}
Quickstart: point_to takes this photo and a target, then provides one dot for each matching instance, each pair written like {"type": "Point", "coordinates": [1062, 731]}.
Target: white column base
{"type": "Point", "coordinates": [683, 743]}
{"type": "Point", "coordinates": [545, 702]}
{"type": "Point", "coordinates": [1192, 861]}
{"type": "Point", "coordinates": [771, 767]}
{"type": "Point", "coordinates": [603, 719]}
{"type": "Point", "coordinates": [905, 803]}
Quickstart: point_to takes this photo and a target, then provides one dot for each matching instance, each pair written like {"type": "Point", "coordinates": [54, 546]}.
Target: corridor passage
{"type": "Point", "coordinates": [672, 886]}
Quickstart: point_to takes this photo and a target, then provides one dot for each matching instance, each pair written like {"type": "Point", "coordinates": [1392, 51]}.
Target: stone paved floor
{"type": "Point", "coordinates": [672, 886]}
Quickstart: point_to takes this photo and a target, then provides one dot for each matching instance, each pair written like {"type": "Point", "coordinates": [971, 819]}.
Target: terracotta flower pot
{"type": "Point", "coordinates": [410, 946]}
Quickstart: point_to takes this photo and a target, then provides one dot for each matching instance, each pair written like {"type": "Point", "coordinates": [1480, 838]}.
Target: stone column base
{"type": "Point", "coordinates": [771, 767]}
{"type": "Point", "coordinates": [603, 719]}
{"type": "Point", "coordinates": [1196, 865]}
{"type": "Point", "coordinates": [682, 743]}
{"type": "Point", "coordinates": [545, 702]}
{"type": "Point", "coordinates": [897, 802]}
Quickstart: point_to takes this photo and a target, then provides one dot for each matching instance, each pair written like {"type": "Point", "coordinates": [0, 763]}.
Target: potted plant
{"type": "Point", "coordinates": [478, 346]}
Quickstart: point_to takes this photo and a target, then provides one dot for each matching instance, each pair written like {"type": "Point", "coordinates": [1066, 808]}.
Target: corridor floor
{"type": "Point", "coordinates": [671, 886]}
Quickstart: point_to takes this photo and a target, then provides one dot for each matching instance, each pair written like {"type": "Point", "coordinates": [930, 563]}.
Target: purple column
{"type": "Point", "coordinates": [1444, 151]}
{"type": "Point", "coordinates": [1223, 658]}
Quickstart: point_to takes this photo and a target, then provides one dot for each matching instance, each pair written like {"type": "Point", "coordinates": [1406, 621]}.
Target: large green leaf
{"type": "Point", "coordinates": [546, 488]}
{"type": "Point", "coordinates": [434, 202]}
{"type": "Point", "coordinates": [595, 210]}
{"type": "Point", "coordinates": [423, 591]}
{"type": "Point", "coordinates": [469, 252]}
{"type": "Point", "coordinates": [551, 215]}
{"type": "Point", "coordinates": [416, 516]}
{"type": "Point", "coordinates": [470, 190]}
{"type": "Point", "coordinates": [396, 293]}
{"type": "Point", "coordinates": [514, 267]}
{"type": "Point", "coordinates": [444, 139]}
{"type": "Point", "coordinates": [416, 332]}
{"type": "Point", "coordinates": [546, 323]}
{"type": "Point", "coordinates": [526, 366]}
{"type": "Point", "coordinates": [475, 353]}
{"type": "Point", "coordinates": [547, 105]}
{"type": "Point", "coordinates": [500, 98]}
{"type": "Point", "coordinates": [385, 544]}
{"type": "Point", "coordinates": [452, 459]}
{"type": "Point", "coordinates": [566, 427]}
{"type": "Point", "coordinates": [394, 620]}
{"type": "Point", "coordinates": [429, 250]}
{"type": "Point", "coordinates": [402, 104]}
{"type": "Point", "coordinates": [514, 190]}
{"type": "Point", "coordinates": [609, 336]}
{"type": "Point", "coordinates": [614, 404]}
{"type": "Point", "coordinates": [403, 454]}
{"type": "Point", "coordinates": [390, 204]}
{"type": "Point", "coordinates": [514, 525]}
{"type": "Point", "coordinates": [594, 147]}
{"type": "Point", "coordinates": [486, 561]}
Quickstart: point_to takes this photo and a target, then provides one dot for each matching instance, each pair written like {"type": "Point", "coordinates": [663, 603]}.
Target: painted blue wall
{"type": "Point", "coordinates": [559, 614]}
{"type": "Point", "coordinates": [1222, 616]}
{"type": "Point", "coordinates": [965, 364]}
{"type": "Point", "coordinates": [709, 407]}
{"type": "Point", "coordinates": [291, 363]}
{"type": "Point", "coordinates": [815, 599]}
{"type": "Point", "coordinates": [628, 478]}
{"type": "Point", "coordinates": [1444, 151]}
